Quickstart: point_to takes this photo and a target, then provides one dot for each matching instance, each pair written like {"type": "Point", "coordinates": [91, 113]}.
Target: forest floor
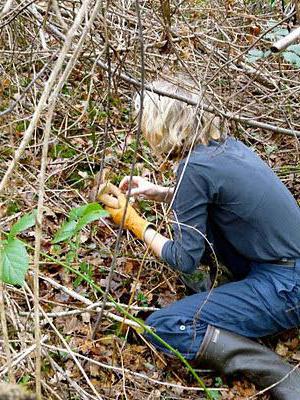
{"type": "Point", "coordinates": [92, 132]}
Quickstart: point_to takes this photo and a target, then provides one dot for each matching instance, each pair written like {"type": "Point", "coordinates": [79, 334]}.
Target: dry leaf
{"type": "Point", "coordinates": [281, 349]}
{"type": "Point", "coordinates": [86, 317]}
{"type": "Point", "coordinates": [94, 370]}
{"type": "Point", "coordinates": [71, 324]}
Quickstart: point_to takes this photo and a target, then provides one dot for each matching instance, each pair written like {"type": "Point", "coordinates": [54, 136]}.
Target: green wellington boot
{"type": "Point", "coordinates": [232, 354]}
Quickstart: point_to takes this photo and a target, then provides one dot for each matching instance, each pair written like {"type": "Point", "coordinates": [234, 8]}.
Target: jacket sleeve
{"type": "Point", "coordinates": [194, 193]}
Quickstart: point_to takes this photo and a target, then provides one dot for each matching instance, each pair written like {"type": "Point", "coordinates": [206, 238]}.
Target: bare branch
{"type": "Point", "coordinates": [286, 41]}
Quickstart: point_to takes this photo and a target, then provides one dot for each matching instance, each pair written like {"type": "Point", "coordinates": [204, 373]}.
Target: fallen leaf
{"type": "Point", "coordinates": [281, 350]}
{"type": "Point", "coordinates": [71, 324]}
{"type": "Point", "coordinates": [94, 370]}
{"type": "Point", "coordinates": [86, 317]}
{"type": "Point", "coordinates": [296, 356]}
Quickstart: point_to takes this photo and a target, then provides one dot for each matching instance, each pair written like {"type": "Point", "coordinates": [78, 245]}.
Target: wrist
{"type": "Point", "coordinates": [154, 240]}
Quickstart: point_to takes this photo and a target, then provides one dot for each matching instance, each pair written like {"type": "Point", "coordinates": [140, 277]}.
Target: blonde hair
{"type": "Point", "coordinates": [170, 125]}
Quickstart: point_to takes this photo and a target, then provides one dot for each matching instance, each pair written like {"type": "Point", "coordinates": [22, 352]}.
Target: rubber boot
{"type": "Point", "coordinates": [232, 354]}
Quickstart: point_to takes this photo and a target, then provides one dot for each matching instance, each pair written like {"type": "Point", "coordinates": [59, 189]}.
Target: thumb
{"type": "Point", "coordinates": [108, 200]}
{"type": "Point", "coordinates": [121, 199]}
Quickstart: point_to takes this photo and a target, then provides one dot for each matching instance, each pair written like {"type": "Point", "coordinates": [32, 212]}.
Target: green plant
{"type": "Point", "coordinates": [78, 218]}
{"type": "Point", "coordinates": [12, 208]}
{"type": "Point", "coordinates": [14, 259]}
{"type": "Point", "coordinates": [142, 299]}
{"type": "Point", "coordinates": [291, 54]}
{"type": "Point", "coordinates": [218, 382]}
{"type": "Point", "coordinates": [62, 151]}
{"type": "Point", "coordinates": [215, 394]}
{"type": "Point", "coordinates": [25, 379]}
{"type": "Point", "coordinates": [85, 269]}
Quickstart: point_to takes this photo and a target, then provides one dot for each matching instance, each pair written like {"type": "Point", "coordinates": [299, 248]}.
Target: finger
{"type": "Point", "coordinates": [108, 200]}
{"type": "Point", "coordinates": [109, 188]}
{"type": "Point", "coordinates": [114, 190]}
{"type": "Point", "coordinates": [137, 192]}
{"type": "Point", "coordinates": [103, 188]}
{"type": "Point", "coordinates": [124, 184]}
{"type": "Point", "coordinates": [121, 199]}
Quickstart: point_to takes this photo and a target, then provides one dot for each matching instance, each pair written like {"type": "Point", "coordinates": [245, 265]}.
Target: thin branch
{"type": "Point", "coordinates": [229, 115]}
{"type": "Point", "coordinates": [3, 320]}
{"type": "Point", "coordinates": [6, 8]}
{"type": "Point", "coordinates": [44, 97]}
{"type": "Point", "coordinates": [286, 41]}
{"type": "Point", "coordinates": [248, 121]}
{"type": "Point", "coordinates": [133, 373]}
{"type": "Point", "coordinates": [93, 308]}
{"type": "Point", "coordinates": [21, 356]}
{"type": "Point", "coordinates": [37, 250]}
{"type": "Point", "coordinates": [88, 302]}
{"type": "Point", "coordinates": [28, 87]}
{"type": "Point", "coordinates": [5, 334]}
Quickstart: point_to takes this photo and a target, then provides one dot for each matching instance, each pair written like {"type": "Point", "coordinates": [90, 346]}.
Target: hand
{"type": "Point", "coordinates": [115, 203]}
{"type": "Point", "coordinates": [142, 188]}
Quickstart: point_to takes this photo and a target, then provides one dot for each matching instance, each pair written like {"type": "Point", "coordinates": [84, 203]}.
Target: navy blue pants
{"type": "Point", "coordinates": [266, 301]}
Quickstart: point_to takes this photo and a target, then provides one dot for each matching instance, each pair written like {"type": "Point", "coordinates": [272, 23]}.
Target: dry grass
{"type": "Point", "coordinates": [92, 131]}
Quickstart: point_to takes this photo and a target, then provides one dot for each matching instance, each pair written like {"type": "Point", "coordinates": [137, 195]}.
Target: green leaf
{"type": "Point", "coordinates": [269, 149]}
{"type": "Point", "coordinates": [67, 230]}
{"type": "Point", "coordinates": [78, 218]}
{"type": "Point", "coordinates": [218, 382]}
{"type": "Point", "coordinates": [255, 55]}
{"type": "Point", "coordinates": [14, 261]}
{"type": "Point", "coordinates": [70, 256]}
{"type": "Point", "coordinates": [25, 222]}
{"type": "Point", "coordinates": [79, 212]}
{"type": "Point", "coordinates": [215, 394]}
{"type": "Point", "coordinates": [90, 217]}
{"type": "Point", "coordinates": [276, 33]}
{"type": "Point", "coordinates": [25, 379]}
{"type": "Point", "coordinates": [292, 58]}
{"type": "Point", "coordinates": [294, 48]}
{"type": "Point", "coordinates": [85, 269]}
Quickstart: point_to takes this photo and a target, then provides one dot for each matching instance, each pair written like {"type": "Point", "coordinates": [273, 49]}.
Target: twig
{"type": "Point", "coordinates": [20, 357]}
{"type": "Point", "coordinates": [6, 8]}
{"type": "Point", "coordinates": [5, 332]}
{"type": "Point", "coordinates": [26, 90]}
{"type": "Point", "coordinates": [287, 40]}
{"type": "Point", "coordinates": [138, 135]}
{"type": "Point", "coordinates": [83, 394]}
{"type": "Point", "coordinates": [248, 121]}
{"type": "Point", "coordinates": [92, 308]}
{"type": "Point", "coordinates": [84, 300]}
{"type": "Point", "coordinates": [58, 14]}
{"type": "Point", "coordinates": [37, 250]}
{"type": "Point", "coordinates": [135, 374]}
{"type": "Point", "coordinates": [68, 349]}
{"type": "Point", "coordinates": [276, 383]}
{"type": "Point", "coordinates": [21, 9]}
{"type": "Point", "coordinates": [47, 90]}
{"type": "Point", "coordinates": [229, 115]}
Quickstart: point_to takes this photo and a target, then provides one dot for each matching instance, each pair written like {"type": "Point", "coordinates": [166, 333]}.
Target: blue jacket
{"type": "Point", "coordinates": [228, 184]}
